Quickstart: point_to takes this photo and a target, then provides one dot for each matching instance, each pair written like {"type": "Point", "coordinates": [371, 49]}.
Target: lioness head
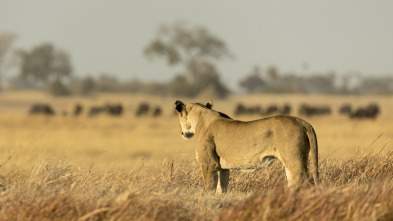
{"type": "Point", "coordinates": [187, 119]}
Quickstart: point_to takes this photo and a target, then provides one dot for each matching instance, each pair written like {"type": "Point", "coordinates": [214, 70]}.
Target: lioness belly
{"type": "Point", "coordinates": [247, 164]}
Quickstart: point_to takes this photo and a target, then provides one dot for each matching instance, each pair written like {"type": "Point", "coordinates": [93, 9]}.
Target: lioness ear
{"type": "Point", "coordinates": [209, 104]}
{"type": "Point", "coordinates": [179, 106]}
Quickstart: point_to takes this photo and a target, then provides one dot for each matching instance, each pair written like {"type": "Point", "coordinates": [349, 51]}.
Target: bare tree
{"type": "Point", "coordinates": [6, 41]}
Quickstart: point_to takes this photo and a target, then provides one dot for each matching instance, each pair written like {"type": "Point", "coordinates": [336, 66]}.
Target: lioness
{"type": "Point", "coordinates": [224, 143]}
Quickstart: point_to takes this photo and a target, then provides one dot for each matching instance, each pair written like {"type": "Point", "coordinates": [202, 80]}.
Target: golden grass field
{"type": "Point", "coordinates": [122, 168]}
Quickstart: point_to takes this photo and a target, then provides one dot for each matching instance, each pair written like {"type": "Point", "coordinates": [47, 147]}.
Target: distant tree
{"type": "Point", "coordinates": [208, 78]}
{"type": "Point", "coordinates": [180, 44]}
{"type": "Point", "coordinates": [155, 88]}
{"type": "Point", "coordinates": [179, 86]}
{"type": "Point", "coordinates": [321, 83]}
{"type": "Point", "coordinates": [253, 83]}
{"type": "Point", "coordinates": [350, 82]}
{"type": "Point", "coordinates": [88, 85]}
{"type": "Point", "coordinates": [58, 88]}
{"type": "Point", "coordinates": [107, 83]}
{"type": "Point", "coordinates": [133, 86]}
{"type": "Point", "coordinates": [343, 87]}
{"type": "Point", "coordinates": [6, 41]}
{"type": "Point", "coordinates": [375, 85]}
{"type": "Point", "coordinates": [19, 82]}
{"type": "Point", "coordinates": [45, 63]}
{"type": "Point", "coordinates": [272, 73]}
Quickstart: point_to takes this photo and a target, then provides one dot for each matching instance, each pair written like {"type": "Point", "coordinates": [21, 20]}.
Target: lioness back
{"type": "Point", "coordinates": [241, 144]}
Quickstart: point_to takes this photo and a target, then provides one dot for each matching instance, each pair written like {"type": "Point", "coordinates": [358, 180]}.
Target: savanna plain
{"type": "Point", "coordinates": [139, 168]}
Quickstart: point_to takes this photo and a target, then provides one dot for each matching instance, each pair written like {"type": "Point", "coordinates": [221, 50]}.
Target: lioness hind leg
{"type": "Point", "coordinates": [296, 173]}
{"type": "Point", "coordinates": [290, 180]}
{"type": "Point", "coordinates": [223, 180]}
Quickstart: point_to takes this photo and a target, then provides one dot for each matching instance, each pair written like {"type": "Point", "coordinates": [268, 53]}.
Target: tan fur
{"type": "Point", "coordinates": [223, 143]}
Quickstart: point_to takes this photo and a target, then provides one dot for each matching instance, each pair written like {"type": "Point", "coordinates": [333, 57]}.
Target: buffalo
{"type": "Point", "coordinates": [241, 109]}
{"type": "Point", "coordinates": [371, 111]}
{"type": "Point", "coordinates": [143, 109]}
{"type": "Point", "coordinates": [345, 109]}
{"type": "Point", "coordinates": [310, 111]}
{"type": "Point", "coordinates": [41, 109]}
{"type": "Point", "coordinates": [78, 108]}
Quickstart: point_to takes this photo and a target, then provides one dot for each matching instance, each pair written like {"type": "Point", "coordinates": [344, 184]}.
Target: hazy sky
{"type": "Point", "coordinates": [109, 36]}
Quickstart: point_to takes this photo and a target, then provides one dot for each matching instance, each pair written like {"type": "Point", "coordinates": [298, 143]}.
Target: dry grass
{"type": "Point", "coordinates": [65, 168]}
{"type": "Point", "coordinates": [56, 190]}
{"type": "Point", "coordinates": [359, 188]}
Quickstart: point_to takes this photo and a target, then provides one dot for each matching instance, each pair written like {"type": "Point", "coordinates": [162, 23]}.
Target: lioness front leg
{"type": "Point", "coordinates": [208, 161]}
{"type": "Point", "coordinates": [210, 176]}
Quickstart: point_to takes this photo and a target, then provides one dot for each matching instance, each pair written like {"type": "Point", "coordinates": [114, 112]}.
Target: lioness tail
{"type": "Point", "coordinates": [312, 137]}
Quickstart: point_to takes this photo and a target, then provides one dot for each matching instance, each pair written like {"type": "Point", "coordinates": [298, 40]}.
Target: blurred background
{"type": "Point", "coordinates": [87, 66]}
{"type": "Point", "coordinates": [333, 47]}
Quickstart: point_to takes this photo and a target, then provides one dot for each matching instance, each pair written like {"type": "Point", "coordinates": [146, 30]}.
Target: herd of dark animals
{"type": "Point", "coordinates": [370, 111]}
{"type": "Point", "coordinates": [110, 109]}
{"type": "Point", "coordinates": [242, 109]}
{"type": "Point", "coordinates": [43, 109]}
{"type": "Point", "coordinates": [144, 109]}
{"type": "Point", "coordinates": [310, 111]}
